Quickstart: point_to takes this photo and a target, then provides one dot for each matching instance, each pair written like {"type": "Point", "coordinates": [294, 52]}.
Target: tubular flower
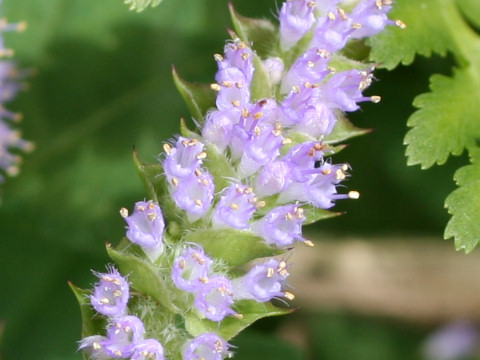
{"type": "Point", "coordinates": [111, 293]}
{"type": "Point", "coordinates": [207, 346]}
{"type": "Point", "coordinates": [145, 227]}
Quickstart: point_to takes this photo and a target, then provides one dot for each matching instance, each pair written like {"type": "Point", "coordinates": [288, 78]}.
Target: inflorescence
{"type": "Point", "coordinates": [256, 168]}
{"type": "Point", "coordinates": [11, 142]}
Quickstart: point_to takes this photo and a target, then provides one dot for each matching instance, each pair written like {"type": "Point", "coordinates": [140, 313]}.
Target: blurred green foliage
{"type": "Point", "coordinates": [103, 84]}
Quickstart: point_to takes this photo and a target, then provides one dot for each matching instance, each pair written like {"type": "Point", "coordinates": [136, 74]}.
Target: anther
{"type": "Point", "coordinates": [375, 99]}
{"type": "Point", "coordinates": [123, 212]}
{"type": "Point", "coordinates": [270, 272]}
{"type": "Point", "coordinates": [258, 115]}
{"type": "Point", "coordinates": [331, 16]}
{"type": "Point", "coordinates": [198, 202]}
{"type": "Point", "coordinates": [201, 156]}
{"type": "Point", "coordinates": [234, 206]}
{"type": "Point", "coordinates": [218, 57]}
{"type": "Point", "coordinates": [236, 103]}
{"type": "Point", "coordinates": [400, 24]}
{"type": "Point", "coordinates": [215, 87]}
{"type": "Point", "coordinates": [353, 194]}
{"type": "Point", "coordinates": [151, 216]}
{"type": "Point", "coordinates": [308, 243]}
{"type": "Point", "coordinates": [341, 12]}
{"type": "Point", "coordinates": [167, 148]}
{"type": "Point", "coordinates": [288, 295]}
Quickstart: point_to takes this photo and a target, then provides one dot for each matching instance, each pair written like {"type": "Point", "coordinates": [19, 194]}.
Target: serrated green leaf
{"type": "Point", "coordinates": [448, 119]}
{"type": "Point", "coordinates": [235, 247]}
{"type": "Point", "coordinates": [151, 177]}
{"type": "Point", "coordinates": [427, 31]}
{"type": "Point", "coordinates": [464, 206]}
{"type": "Point", "coordinates": [343, 130]}
{"type": "Point", "coordinates": [260, 33]}
{"type": "Point", "coordinates": [143, 277]}
{"type": "Point", "coordinates": [471, 10]}
{"type": "Point", "coordinates": [250, 310]}
{"type": "Point", "coordinates": [198, 97]}
{"type": "Point", "coordinates": [219, 166]}
{"type": "Point", "coordinates": [140, 5]}
{"type": "Point", "coordinates": [91, 323]}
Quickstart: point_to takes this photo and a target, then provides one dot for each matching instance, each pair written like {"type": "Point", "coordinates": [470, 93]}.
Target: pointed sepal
{"type": "Point", "coordinates": [142, 277]}
{"type": "Point", "coordinates": [198, 97]}
{"type": "Point", "coordinates": [234, 247]}
{"type": "Point", "coordinates": [260, 33]}
{"type": "Point", "coordinates": [92, 324]}
{"type": "Point", "coordinates": [249, 311]}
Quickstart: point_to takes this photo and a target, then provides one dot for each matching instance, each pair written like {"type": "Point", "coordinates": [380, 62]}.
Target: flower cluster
{"type": "Point", "coordinates": [11, 142]}
{"type": "Point", "coordinates": [230, 199]}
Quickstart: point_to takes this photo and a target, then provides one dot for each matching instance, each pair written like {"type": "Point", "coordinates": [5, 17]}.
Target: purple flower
{"type": "Point", "coordinates": [258, 132]}
{"type": "Point", "coordinates": [296, 18]}
{"type": "Point", "coordinates": [372, 17]}
{"type": "Point", "coordinates": [274, 67]}
{"type": "Point", "coordinates": [303, 159]}
{"type": "Point", "coordinates": [233, 89]}
{"type": "Point", "coordinates": [237, 55]}
{"type": "Point", "coordinates": [272, 178]}
{"type": "Point", "coordinates": [311, 67]}
{"type": "Point", "coordinates": [263, 282]}
{"type": "Point", "coordinates": [148, 349]}
{"type": "Point", "coordinates": [261, 148]}
{"type": "Point", "coordinates": [93, 346]}
{"type": "Point", "coordinates": [218, 127]}
{"type": "Point", "coordinates": [282, 226]}
{"type": "Point", "coordinates": [344, 89]}
{"type": "Point", "coordinates": [145, 227]}
{"type": "Point", "coordinates": [111, 293]}
{"type": "Point", "coordinates": [319, 186]}
{"type": "Point", "coordinates": [207, 346]}
{"type": "Point", "coordinates": [194, 194]}
{"type": "Point", "coordinates": [184, 158]}
{"type": "Point", "coordinates": [123, 334]}
{"type": "Point", "coordinates": [333, 30]}
{"type": "Point", "coordinates": [215, 298]}
{"type": "Point", "coordinates": [235, 208]}
{"type": "Point", "coordinates": [190, 269]}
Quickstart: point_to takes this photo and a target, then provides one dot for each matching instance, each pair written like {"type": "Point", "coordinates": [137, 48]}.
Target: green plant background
{"type": "Point", "coordinates": [103, 85]}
